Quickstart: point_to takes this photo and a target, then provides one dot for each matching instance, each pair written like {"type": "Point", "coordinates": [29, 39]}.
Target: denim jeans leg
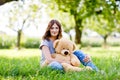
{"type": "Point", "coordinates": [55, 65]}
{"type": "Point", "coordinates": [81, 57]}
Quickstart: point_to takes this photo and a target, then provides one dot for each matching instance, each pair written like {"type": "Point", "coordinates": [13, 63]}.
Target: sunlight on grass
{"type": "Point", "coordinates": [24, 64]}
{"type": "Point", "coordinates": [13, 53]}
{"type": "Point", "coordinates": [102, 52]}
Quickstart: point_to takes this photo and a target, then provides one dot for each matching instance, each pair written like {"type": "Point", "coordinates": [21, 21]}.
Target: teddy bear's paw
{"type": "Point", "coordinates": [75, 63]}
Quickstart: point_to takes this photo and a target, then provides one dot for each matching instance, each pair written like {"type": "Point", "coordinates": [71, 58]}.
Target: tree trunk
{"type": "Point", "coordinates": [19, 38]}
{"type": "Point", "coordinates": [70, 36]}
{"type": "Point", "coordinates": [5, 1]}
{"type": "Point", "coordinates": [78, 30]}
{"type": "Point", "coordinates": [105, 40]}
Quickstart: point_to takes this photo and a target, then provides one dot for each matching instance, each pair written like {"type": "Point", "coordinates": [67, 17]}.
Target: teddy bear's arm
{"type": "Point", "coordinates": [74, 60]}
{"type": "Point", "coordinates": [61, 58]}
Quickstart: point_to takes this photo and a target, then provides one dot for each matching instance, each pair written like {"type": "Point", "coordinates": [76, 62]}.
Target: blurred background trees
{"type": "Point", "coordinates": [82, 9]}
{"type": "Point", "coordinates": [101, 16]}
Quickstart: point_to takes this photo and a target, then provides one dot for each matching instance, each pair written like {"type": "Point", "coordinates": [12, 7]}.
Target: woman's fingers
{"type": "Point", "coordinates": [87, 58]}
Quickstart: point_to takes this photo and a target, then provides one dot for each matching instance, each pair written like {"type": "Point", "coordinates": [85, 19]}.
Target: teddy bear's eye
{"type": "Point", "coordinates": [63, 48]}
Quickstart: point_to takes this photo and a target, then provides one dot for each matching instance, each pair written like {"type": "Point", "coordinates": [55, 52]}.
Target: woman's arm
{"type": "Point", "coordinates": [48, 56]}
{"type": "Point", "coordinates": [46, 53]}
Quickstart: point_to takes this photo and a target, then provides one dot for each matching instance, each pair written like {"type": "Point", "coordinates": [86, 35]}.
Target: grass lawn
{"type": "Point", "coordinates": [24, 65]}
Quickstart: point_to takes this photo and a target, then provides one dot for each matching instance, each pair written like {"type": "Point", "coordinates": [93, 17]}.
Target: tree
{"type": "Point", "coordinates": [5, 1]}
{"type": "Point", "coordinates": [101, 26]}
{"type": "Point", "coordinates": [18, 20]}
{"type": "Point", "coordinates": [107, 21]}
{"type": "Point", "coordinates": [79, 9]}
{"type": "Point", "coordinates": [82, 9]}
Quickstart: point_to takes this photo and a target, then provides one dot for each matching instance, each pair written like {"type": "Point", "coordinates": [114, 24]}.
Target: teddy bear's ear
{"type": "Point", "coordinates": [55, 43]}
{"type": "Point", "coordinates": [74, 46]}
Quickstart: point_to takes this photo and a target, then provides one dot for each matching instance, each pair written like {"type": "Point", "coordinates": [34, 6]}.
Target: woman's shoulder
{"type": "Point", "coordinates": [45, 41]}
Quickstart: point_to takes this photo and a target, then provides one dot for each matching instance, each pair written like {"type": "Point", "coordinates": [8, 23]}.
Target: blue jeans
{"type": "Point", "coordinates": [80, 55]}
{"type": "Point", "coordinates": [55, 65]}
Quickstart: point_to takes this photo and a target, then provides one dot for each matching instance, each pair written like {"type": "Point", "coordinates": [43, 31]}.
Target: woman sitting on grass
{"type": "Point", "coordinates": [52, 33]}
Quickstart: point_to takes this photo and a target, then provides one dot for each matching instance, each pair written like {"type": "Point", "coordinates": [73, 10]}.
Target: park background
{"type": "Point", "coordinates": [93, 25]}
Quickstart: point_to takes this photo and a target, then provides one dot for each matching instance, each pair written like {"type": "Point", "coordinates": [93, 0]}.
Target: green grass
{"type": "Point", "coordinates": [24, 65]}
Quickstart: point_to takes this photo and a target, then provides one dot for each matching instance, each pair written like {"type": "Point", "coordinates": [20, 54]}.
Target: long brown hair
{"type": "Point", "coordinates": [47, 32]}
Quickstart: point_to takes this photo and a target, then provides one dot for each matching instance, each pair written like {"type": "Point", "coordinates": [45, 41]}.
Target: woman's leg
{"type": "Point", "coordinates": [55, 65]}
{"type": "Point", "coordinates": [81, 57]}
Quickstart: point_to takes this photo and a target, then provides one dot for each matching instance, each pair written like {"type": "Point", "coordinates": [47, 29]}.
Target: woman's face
{"type": "Point", "coordinates": [54, 30]}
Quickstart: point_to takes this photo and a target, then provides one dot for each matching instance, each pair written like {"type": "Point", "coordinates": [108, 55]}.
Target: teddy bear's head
{"type": "Point", "coordinates": [64, 46]}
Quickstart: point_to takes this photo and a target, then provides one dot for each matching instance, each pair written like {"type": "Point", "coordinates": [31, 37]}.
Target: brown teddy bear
{"type": "Point", "coordinates": [64, 51]}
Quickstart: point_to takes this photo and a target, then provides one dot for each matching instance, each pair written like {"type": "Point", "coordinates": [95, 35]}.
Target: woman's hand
{"type": "Point", "coordinates": [87, 58]}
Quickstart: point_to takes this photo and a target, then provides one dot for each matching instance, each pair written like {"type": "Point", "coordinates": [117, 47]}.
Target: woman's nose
{"type": "Point", "coordinates": [54, 29]}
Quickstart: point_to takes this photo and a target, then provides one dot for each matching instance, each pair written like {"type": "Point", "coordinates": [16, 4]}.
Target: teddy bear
{"type": "Point", "coordinates": [64, 51]}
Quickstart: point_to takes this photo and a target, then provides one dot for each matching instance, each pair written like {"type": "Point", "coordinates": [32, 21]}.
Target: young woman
{"type": "Point", "coordinates": [52, 33]}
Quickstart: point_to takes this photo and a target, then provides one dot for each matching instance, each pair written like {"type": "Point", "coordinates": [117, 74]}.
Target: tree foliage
{"type": "Point", "coordinates": [107, 21]}
{"type": "Point", "coordinates": [82, 9]}
{"type": "Point", "coordinates": [79, 9]}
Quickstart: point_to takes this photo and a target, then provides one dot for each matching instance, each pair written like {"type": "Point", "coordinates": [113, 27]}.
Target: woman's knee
{"type": "Point", "coordinates": [55, 65]}
{"type": "Point", "coordinates": [79, 53]}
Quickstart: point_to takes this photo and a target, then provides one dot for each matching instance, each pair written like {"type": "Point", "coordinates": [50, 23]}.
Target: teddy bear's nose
{"type": "Point", "coordinates": [66, 52]}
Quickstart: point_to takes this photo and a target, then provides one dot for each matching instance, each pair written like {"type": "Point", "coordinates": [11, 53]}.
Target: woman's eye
{"type": "Point", "coordinates": [56, 28]}
{"type": "Point", "coordinates": [51, 28]}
